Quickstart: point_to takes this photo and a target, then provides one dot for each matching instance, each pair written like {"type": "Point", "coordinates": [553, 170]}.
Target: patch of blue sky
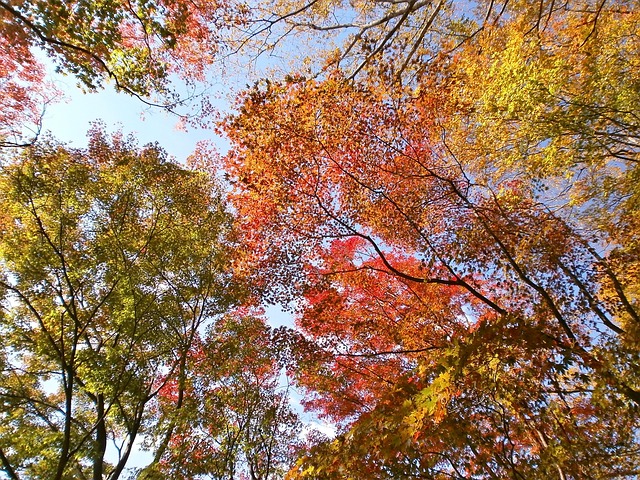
{"type": "Point", "coordinates": [71, 117]}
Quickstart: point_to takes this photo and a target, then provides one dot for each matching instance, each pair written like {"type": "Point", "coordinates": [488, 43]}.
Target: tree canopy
{"type": "Point", "coordinates": [453, 244]}
{"type": "Point", "coordinates": [445, 194]}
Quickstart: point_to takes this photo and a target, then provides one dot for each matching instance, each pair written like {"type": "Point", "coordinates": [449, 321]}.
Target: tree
{"type": "Point", "coordinates": [400, 38]}
{"type": "Point", "coordinates": [236, 421]}
{"type": "Point", "coordinates": [137, 45]}
{"type": "Point", "coordinates": [23, 94]}
{"type": "Point", "coordinates": [459, 241]}
{"type": "Point", "coordinates": [115, 261]}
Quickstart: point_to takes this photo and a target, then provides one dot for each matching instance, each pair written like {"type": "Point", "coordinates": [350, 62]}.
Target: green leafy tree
{"type": "Point", "coordinates": [114, 262]}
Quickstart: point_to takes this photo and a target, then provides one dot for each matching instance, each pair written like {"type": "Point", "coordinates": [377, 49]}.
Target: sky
{"type": "Point", "coordinates": [70, 118]}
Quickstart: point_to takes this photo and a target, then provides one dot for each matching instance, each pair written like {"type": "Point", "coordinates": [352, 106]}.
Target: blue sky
{"type": "Point", "coordinates": [70, 119]}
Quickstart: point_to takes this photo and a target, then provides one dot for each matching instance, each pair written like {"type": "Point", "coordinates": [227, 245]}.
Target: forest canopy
{"type": "Point", "coordinates": [444, 194]}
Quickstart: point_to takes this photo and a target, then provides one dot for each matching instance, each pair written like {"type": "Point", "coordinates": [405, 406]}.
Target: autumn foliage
{"type": "Point", "coordinates": [452, 242]}
{"type": "Point", "coordinates": [140, 47]}
{"type": "Point", "coordinates": [445, 196]}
